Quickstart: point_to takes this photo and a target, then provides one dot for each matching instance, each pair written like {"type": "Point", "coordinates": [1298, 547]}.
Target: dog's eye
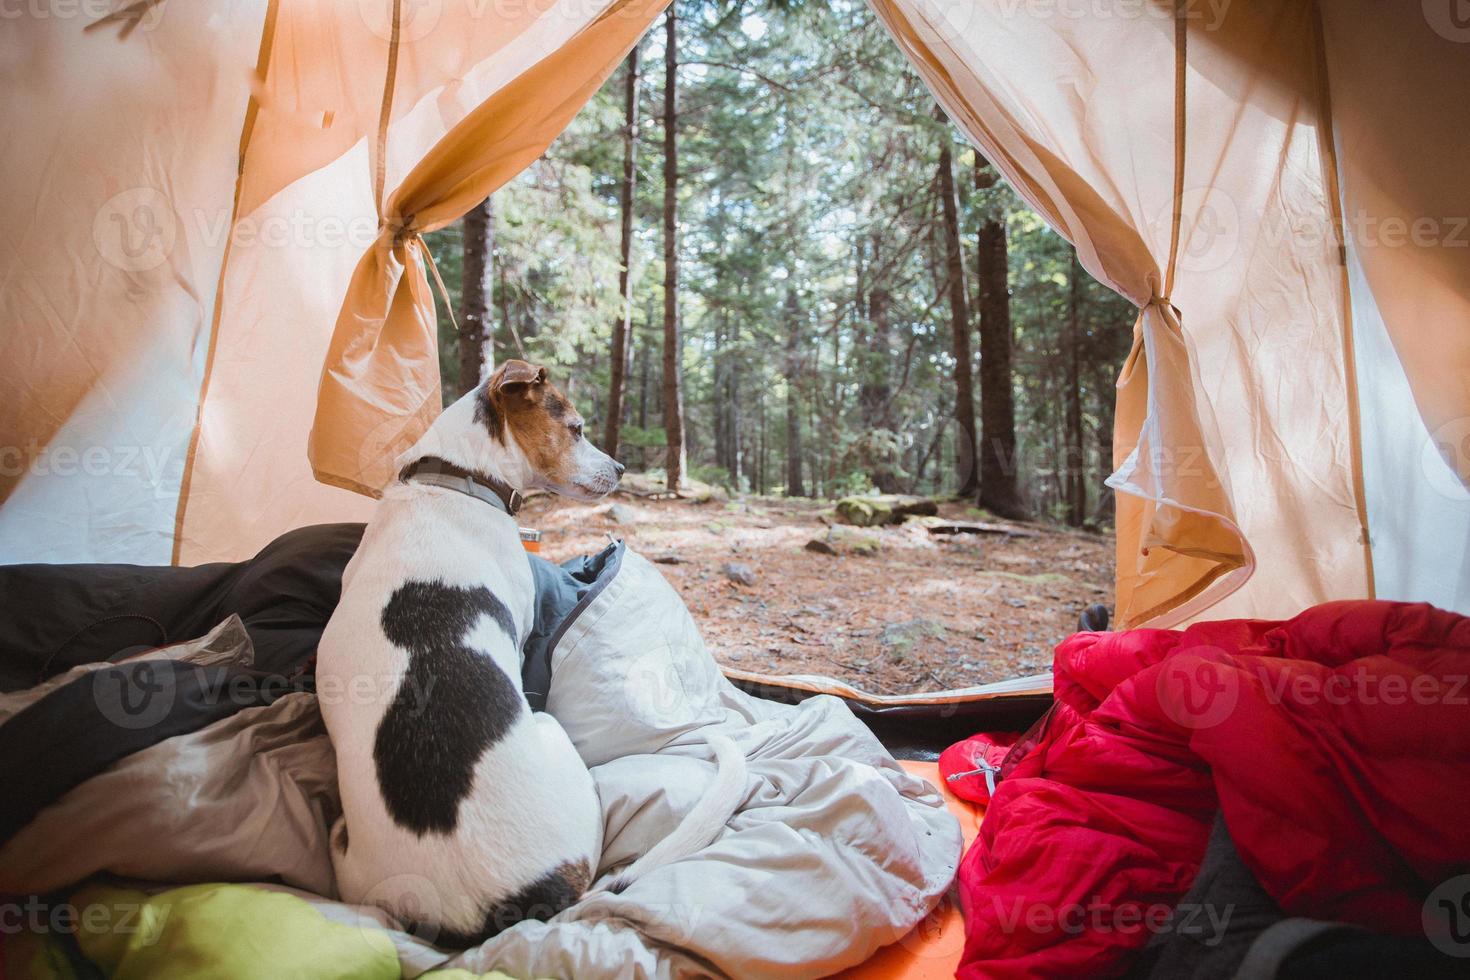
{"type": "Point", "coordinates": [576, 428]}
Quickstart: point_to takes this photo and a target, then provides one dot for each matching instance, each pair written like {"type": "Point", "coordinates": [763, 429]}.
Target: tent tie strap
{"type": "Point", "coordinates": [404, 232]}
{"type": "Point", "coordinates": [984, 767]}
{"type": "Point", "coordinates": [402, 228]}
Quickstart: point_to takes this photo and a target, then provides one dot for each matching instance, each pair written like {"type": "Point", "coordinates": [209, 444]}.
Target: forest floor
{"type": "Point", "coordinates": [893, 610]}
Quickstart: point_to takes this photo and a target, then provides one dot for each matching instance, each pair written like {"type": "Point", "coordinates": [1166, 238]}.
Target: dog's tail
{"type": "Point", "coordinates": [702, 824]}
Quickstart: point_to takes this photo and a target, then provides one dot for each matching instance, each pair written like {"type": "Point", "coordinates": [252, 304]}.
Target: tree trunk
{"type": "Point", "coordinates": [622, 329]}
{"type": "Point", "coordinates": [738, 467]}
{"type": "Point", "coordinates": [763, 472]}
{"type": "Point", "coordinates": [876, 391]}
{"type": "Point", "coordinates": [964, 383]}
{"type": "Point", "coordinates": [923, 463]}
{"type": "Point", "coordinates": [997, 450]}
{"type": "Point", "coordinates": [643, 366]}
{"type": "Point", "coordinates": [1105, 511]}
{"type": "Point", "coordinates": [818, 461]}
{"type": "Point", "coordinates": [475, 351]}
{"type": "Point", "coordinates": [1101, 378]}
{"type": "Point", "coordinates": [717, 402]}
{"type": "Point", "coordinates": [794, 487]}
{"type": "Point", "coordinates": [507, 310]}
{"type": "Point", "coordinates": [1074, 465]}
{"type": "Point", "coordinates": [673, 347]}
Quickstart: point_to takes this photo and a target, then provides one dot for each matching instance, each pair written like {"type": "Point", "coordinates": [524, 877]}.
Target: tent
{"type": "Point", "coordinates": [218, 311]}
{"type": "Point", "coordinates": [219, 318]}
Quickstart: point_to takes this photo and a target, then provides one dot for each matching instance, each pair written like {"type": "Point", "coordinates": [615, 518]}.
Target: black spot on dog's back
{"type": "Point", "coordinates": [452, 704]}
{"type": "Point", "coordinates": [558, 889]}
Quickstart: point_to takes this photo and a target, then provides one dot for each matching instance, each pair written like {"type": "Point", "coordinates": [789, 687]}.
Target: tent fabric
{"type": "Point", "coordinates": [1403, 187]}
{"type": "Point", "coordinates": [217, 316]}
{"type": "Point", "coordinates": [413, 139]}
{"type": "Point", "coordinates": [178, 247]}
{"type": "Point", "coordinates": [111, 241]}
{"type": "Point", "coordinates": [1404, 203]}
{"type": "Point", "coordinates": [380, 381]}
{"type": "Point", "coordinates": [1178, 146]}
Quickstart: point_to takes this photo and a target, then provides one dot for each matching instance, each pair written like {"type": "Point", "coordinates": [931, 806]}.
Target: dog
{"type": "Point", "coordinates": [463, 812]}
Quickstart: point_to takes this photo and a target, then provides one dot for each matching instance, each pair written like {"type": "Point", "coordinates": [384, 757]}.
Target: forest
{"type": "Point", "coordinates": [763, 259]}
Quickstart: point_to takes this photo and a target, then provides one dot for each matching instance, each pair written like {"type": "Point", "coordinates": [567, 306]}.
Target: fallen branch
{"type": "Point", "coordinates": [980, 527]}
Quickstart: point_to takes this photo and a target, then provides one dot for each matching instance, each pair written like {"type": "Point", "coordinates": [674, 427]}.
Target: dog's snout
{"type": "Point", "coordinates": [618, 468]}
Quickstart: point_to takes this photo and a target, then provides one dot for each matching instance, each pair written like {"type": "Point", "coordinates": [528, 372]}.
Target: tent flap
{"type": "Point", "coordinates": [1176, 146]}
{"type": "Point", "coordinates": [380, 382]}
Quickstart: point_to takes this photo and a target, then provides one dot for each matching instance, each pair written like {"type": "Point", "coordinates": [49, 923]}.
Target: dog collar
{"type": "Point", "coordinates": [438, 472]}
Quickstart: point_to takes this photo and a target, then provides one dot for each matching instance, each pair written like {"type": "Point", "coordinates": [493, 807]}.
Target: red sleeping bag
{"type": "Point", "coordinates": [1336, 744]}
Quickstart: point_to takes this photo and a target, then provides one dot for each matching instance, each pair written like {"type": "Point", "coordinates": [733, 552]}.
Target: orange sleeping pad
{"type": "Point", "coordinates": [932, 949]}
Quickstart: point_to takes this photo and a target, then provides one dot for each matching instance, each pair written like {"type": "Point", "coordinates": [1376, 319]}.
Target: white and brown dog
{"type": "Point", "coordinates": [463, 811]}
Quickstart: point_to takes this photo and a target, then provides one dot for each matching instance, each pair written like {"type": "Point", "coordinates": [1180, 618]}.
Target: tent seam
{"type": "Point", "coordinates": [1327, 137]}
{"type": "Point", "coordinates": [247, 129]}
{"type": "Point", "coordinates": [385, 111]}
{"type": "Point", "coordinates": [1181, 57]}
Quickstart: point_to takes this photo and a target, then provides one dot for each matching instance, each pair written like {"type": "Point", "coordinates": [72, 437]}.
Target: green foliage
{"type": "Point", "coordinates": [653, 438]}
{"type": "Point", "coordinates": [714, 475]}
{"type": "Point", "coordinates": [808, 155]}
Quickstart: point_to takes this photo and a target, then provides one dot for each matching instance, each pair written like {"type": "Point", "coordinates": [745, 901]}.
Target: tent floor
{"type": "Point", "coordinates": [919, 732]}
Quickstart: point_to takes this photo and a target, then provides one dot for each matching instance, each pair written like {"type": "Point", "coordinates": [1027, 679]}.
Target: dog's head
{"type": "Point", "coordinates": [525, 412]}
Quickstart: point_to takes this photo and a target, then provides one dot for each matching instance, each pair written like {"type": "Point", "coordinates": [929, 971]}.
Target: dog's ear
{"type": "Point", "coordinates": [517, 377]}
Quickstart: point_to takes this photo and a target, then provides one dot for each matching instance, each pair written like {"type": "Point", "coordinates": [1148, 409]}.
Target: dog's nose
{"type": "Point", "coordinates": [619, 467]}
